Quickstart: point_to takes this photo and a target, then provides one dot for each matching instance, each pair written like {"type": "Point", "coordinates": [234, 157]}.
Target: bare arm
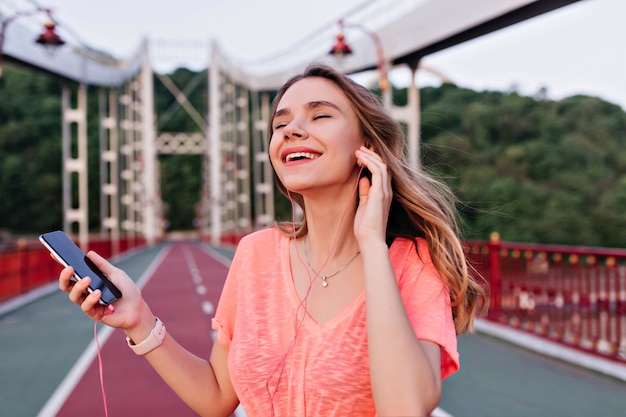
{"type": "Point", "coordinates": [405, 372]}
{"type": "Point", "coordinates": [203, 385]}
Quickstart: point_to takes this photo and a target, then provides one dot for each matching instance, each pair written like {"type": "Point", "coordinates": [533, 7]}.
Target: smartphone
{"type": "Point", "coordinates": [67, 253]}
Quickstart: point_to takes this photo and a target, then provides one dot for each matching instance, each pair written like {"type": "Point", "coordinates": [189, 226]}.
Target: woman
{"type": "Point", "coordinates": [354, 308]}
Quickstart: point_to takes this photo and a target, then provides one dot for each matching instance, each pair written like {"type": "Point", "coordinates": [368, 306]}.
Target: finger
{"type": "Point", "coordinates": [102, 264]}
{"type": "Point", "coordinates": [377, 161]}
{"type": "Point", "coordinates": [364, 189]}
{"type": "Point", "coordinates": [79, 289]}
{"type": "Point", "coordinates": [376, 167]}
{"type": "Point", "coordinates": [65, 279]}
{"type": "Point", "coordinates": [371, 152]}
{"type": "Point", "coordinates": [369, 157]}
{"type": "Point", "coordinates": [115, 275]}
{"type": "Point", "coordinates": [364, 160]}
{"type": "Point", "coordinates": [91, 301]}
{"type": "Point", "coordinates": [55, 259]}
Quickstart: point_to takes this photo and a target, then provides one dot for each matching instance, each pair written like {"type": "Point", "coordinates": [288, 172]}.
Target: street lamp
{"type": "Point", "coordinates": [48, 38]}
{"type": "Point", "coordinates": [341, 48]}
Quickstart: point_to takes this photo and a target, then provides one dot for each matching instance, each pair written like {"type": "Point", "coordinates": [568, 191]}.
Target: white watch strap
{"type": "Point", "coordinates": [153, 341]}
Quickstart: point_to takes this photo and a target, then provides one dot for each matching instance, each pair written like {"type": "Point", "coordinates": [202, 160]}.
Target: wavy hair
{"type": "Point", "coordinates": [422, 206]}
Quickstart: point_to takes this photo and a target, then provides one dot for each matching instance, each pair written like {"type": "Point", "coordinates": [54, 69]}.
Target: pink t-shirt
{"type": "Point", "coordinates": [282, 360]}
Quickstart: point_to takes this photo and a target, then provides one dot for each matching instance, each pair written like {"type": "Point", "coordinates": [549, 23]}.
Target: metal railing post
{"type": "Point", "coordinates": [495, 277]}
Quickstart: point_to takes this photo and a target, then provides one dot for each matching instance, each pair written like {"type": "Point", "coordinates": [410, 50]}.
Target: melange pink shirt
{"type": "Point", "coordinates": [283, 363]}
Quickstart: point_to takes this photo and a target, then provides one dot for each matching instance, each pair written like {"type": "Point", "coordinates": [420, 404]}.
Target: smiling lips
{"type": "Point", "coordinates": [298, 156]}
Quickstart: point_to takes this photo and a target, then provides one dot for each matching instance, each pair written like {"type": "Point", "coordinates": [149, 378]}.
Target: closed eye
{"type": "Point", "coordinates": [321, 116]}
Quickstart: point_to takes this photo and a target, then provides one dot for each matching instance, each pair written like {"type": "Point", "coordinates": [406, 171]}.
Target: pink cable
{"type": "Point", "coordinates": [281, 364]}
{"type": "Point", "coordinates": [110, 310]}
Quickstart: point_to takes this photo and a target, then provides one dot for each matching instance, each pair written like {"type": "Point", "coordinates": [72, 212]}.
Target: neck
{"type": "Point", "coordinates": [330, 232]}
{"type": "Point", "coordinates": [330, 221]}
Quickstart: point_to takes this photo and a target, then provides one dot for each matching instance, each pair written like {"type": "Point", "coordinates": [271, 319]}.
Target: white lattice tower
{"type": "Point", "coordinates": [263, 172]}
{"type": "Point", "coordinates": [74, 145]}
{"type": "Point", "coordinates": [235, 175]}
{"type": "Point", "coordinates": [109, 166]}
{"type": "Point", "coordinates": [241, 196]}
{"type": "Point", "coordinates": [131, 189]}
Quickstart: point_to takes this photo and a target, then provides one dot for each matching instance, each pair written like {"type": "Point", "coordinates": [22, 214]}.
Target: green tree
{"type": "Point", "coordinates": [181, 181]}
{"type": "Point", "coordinates": [535, 170]}
{"type": "Point", "coordinates": [30, 151]}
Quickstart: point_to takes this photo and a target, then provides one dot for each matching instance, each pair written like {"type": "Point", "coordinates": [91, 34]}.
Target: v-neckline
{"type": "Point", "coordinates": [298, 303]}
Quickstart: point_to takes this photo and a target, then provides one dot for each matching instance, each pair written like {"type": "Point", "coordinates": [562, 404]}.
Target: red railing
{"type": "Point", "coordinates": [29, 265]}
{"type": "Point", "coordinates": [571, 295]}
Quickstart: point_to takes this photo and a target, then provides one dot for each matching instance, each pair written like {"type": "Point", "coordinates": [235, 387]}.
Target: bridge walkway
{"type": "Point", "coordinates": [49, 364]}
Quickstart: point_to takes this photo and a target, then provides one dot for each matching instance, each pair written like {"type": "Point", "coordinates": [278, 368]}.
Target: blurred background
{"type": "Point", "coordinates": [525, 123]}
{"type": "Point", "coordinates": [139, 129]}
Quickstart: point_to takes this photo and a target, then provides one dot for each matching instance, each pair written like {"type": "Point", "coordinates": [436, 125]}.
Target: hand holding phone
{"type": "Point", "coordinates": [65, 251]}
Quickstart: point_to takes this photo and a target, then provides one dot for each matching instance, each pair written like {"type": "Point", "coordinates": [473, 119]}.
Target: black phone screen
{"type": "Point", "coordinates": [66, 251]}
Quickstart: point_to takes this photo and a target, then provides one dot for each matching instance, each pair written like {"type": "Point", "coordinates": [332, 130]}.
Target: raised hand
{"type": "Point", "coordinates": [370, 221]}
{"type": "Point", "coordinates": [128, 309]}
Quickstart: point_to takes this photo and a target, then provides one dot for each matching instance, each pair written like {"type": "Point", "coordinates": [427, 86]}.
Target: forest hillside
{"type": "Point", "coordinates": [533, 169]}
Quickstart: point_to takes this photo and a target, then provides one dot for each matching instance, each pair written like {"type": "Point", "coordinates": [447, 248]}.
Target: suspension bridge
{"type": "Point", "coordinates": [498, 377]}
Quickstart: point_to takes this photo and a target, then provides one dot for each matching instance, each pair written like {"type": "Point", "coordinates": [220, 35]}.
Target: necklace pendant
{"type": "Point", "coordinates": [324, 282]}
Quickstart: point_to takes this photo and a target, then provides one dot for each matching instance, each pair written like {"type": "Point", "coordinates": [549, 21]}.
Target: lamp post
{"type": "Point", "coordinates": [341, 48]}
{"type": "Point", "coordinates": [48, 38]}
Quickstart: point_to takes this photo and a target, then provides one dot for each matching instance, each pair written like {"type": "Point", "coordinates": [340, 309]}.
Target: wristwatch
{"type": "Point", "coordinates": [153, 341]}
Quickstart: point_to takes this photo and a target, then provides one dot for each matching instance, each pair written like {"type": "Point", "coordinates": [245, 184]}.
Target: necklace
{"type": "Point", "coordinates": [325, 277]}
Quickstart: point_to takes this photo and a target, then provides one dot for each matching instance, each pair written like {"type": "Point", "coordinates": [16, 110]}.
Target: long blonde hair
{"type": "Point", "coordinates": [422, 206]}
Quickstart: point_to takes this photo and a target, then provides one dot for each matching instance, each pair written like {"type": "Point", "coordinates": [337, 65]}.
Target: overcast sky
{"type": "Point", "coordinates": [575, 49]}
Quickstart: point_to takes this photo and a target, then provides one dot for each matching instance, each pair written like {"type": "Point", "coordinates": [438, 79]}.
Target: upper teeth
{"type": "Point", "coordinates": [295, 155]}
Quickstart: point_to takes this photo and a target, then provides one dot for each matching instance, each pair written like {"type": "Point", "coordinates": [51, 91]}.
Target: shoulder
{"type": "Point", "coordinates": [263, 236]}
{"type": "Point", "coordinates": [404, 250]}
{"type": "Point", "coordinates": [261, 243]}
{"type": "Point", "coordinates": [412, 262]}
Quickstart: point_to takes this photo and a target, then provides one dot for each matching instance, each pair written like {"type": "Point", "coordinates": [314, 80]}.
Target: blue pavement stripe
{"type": "Point", "coordinates": [498, 378]}
{"type": "Point", "coordinates": [553, 349]}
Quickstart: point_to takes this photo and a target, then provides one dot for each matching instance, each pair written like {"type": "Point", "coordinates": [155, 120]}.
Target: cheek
{"type": "Point", "coordinates": [274, 154]}
{"type": "Point", "coordinates": [273, 149]}
{"type": "Point", "coordinates": [351, 144]}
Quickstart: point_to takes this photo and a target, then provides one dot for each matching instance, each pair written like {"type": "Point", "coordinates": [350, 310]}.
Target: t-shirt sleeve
{"type": "Point", "coordinates": [427, 302]}
{"type": "Point", "coordinates": [224, 321]}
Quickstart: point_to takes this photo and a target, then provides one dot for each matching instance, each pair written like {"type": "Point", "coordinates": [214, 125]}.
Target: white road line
{"type": "Point", "coordinates": [438, 412]}
{"type": "Point", "coordinates": [240, 412]}
{"type": "Point", "coordinates": [56, 401]}
{"type": "Point", "coordinates": [200, 289]}
{"type": "Point", "coordinates": [208, 308]}
{"type": "Point", "coordinates": [223, 259]}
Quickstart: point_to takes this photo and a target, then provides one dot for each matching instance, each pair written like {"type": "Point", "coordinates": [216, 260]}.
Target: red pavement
{"type": "Point", "coordinates": [133, 388]}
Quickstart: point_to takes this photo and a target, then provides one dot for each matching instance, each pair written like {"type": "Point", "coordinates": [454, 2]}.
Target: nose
{"type": "Point", "coordinates": [294, 130]}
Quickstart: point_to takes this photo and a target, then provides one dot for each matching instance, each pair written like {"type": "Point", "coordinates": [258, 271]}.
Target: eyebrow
{"type": "Point", "coordinates": [309, 106]}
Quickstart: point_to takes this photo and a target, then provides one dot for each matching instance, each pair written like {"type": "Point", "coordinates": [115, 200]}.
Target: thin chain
{"type": "Point", "coordinates": [325, 277]}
